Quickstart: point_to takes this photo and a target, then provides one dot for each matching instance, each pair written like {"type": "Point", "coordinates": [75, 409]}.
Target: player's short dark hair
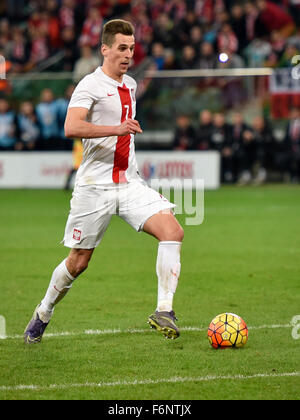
{"type": "Point", "coordinates": [114, 27]}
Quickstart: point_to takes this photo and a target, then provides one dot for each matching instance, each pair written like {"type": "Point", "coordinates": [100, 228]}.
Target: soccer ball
{"type": "Point", "coordinates": [227, 330]}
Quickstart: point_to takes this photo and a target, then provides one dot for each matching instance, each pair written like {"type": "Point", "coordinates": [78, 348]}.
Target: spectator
{"type": "Point", "coordinates": [207, 58]}
{"type": "Point", "coordinates": [39, 50]}
{"type": "Point", "coordinates": [70, 49]}
{"type": "Point", "coordinates": [258, 52]}
{"type": "Point", "coordinates": [176, 9]}
{"type": "Point", "coordinates": [246, 158]}
{"type": "Point", "coordinates": [143, 32]}
{"type": "Point", "coordinates": [46, 112]}
{"type": "Point", "coordinates": [294, 9]}
{"type": "Point", "coordinates": [169, 59]}
{"type": "Point", "coordinates": [184, 137]}
{"type": "Point", "coordinates": [27, 127]}
{"type": "Point", "coordinates": [227, 40]}
{"type": "Point", "coordinates": [163, 29]}
{"type": "Point", "coordinates": [53, 25]}
{"type": "Point", "coordinates": [67, 14]}
{"type": "Point", "coordinates": [292, 145]}
{"type": "Point", "coordinates": [188, 58]}
{"type": "Point", "coordinates": [264, 144]}
{"type": "Point", "coordinates": [251, 17]}
{"type": "Point", "coordinates": [204, 131]}
{"type": "Point", "coordinates": [184, 26]}
{"type": "Point", "coordinates": [62, 107]}
{"type": "Point", "coordinates": [278, 42]}
{"type": "Point", "coordinates": [273, 17]}
{"type": "Point", "coordinates": [239, 127]}
{"type": "Point", "coordinates": [156, 8]}
{"type": "Point", "coordinates": [91, 29]}
{"type": "Point", "coordinates": [221, 18]}
{"type": "Point", "coordinates": [158, 55]}
{"type": "Point", "coordinates": [5, 36]}
{"type": "Point", "coordinates": [238, 25]}
{"type": "Point", "coordinates": [86, 64]}
{"type": "Point", "coordinates": [7, 126]}
{"type": "Point", "coordinates": [221, 140]}
{"type": "Point", "coordinates": [18, 51]}
{"type": "Point", "coordinates": [232, 87]}
{"type": "Point", "coordinates": [205, 11]}
{"type": "Point", "coordinates": [139, 54]}
{"type": "Point", "coordinates": [196, 38]}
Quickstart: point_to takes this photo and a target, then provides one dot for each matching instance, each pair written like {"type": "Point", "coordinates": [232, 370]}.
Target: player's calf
{"type": "Point", "coordinates": [61, 282]}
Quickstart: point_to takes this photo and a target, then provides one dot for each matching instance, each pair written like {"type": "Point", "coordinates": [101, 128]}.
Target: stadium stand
{"type": "Point", "coordinates": [63, 36]}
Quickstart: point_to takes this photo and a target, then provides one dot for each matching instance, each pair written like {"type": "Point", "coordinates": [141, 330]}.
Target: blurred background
{"type": "Point", "coordinates": [213, 75]}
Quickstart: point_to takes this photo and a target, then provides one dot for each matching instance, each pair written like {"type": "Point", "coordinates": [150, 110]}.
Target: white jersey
{"type": "Point", "coordinates": [107, 161]}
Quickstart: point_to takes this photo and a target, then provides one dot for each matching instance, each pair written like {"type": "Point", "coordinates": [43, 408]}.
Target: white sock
{"type": "Point", "coordinates": [168, 271]}
{"type": "Point", "coordinates": [60, 284]}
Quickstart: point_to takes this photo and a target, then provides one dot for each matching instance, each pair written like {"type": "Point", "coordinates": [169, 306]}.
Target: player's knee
{"type": "Point", "coordinates": [174, 233]}
{"type": "Point", "coordinates": [179, 234]}
{"type": "Point", "coordinates": [78, 262]}
{"type": "Point", "coordinates": [80, 266]}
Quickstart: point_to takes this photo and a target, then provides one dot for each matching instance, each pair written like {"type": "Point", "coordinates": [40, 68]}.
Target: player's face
{"type": "Point", "coordinates": [117, 57]}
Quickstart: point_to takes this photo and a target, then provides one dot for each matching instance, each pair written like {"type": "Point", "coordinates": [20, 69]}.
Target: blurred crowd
{"type": "Point", "coordinates": [250, 153]}
{"type": "Point", "coordinates": [35, 127]}
{"type": "Point", "coordinates": [64, 35]}
{"type": "Point", "coordinates": [176, 34]}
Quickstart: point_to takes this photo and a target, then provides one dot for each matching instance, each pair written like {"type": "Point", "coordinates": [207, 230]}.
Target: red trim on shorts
{"type": "Point", "coordinates": [121, 156]}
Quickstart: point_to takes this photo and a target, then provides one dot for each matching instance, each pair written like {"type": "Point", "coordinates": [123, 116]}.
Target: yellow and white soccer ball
{"type": "Point", "coordinates": [227, 330]}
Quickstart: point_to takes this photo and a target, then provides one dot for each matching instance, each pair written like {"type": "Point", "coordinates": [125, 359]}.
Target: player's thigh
{"type": "Point", "coordinates": [139, 203]}
{"type": "Point", "coordinates": [88, 219]}
{"type": "Point", "coordinates": [85, 231]}
{"type": "Point", "coordinates": [164, 226]}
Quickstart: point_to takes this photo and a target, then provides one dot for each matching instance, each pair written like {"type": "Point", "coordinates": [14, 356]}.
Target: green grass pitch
{"type": "Point", "coordinates": [244, 258]}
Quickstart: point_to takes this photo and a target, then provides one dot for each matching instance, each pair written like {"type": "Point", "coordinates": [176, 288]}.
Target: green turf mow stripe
{"type": "Point", "coordinates": [147, 381]}
{"type": "Point", "coordinates": [138, 331]}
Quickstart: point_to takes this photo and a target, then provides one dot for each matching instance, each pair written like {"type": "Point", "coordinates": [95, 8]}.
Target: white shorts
{"type": "Point", "coordinates": [92, 208]}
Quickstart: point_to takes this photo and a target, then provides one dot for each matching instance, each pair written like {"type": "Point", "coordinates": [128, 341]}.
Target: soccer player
{"type": "Point", "coordinates": [101, 112]}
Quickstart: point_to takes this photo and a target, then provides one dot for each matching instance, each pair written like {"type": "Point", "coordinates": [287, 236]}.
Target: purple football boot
{"type": "Point", "coordinates": [35, 329]}
{"type": "Point", "coordinates": [164, 322]}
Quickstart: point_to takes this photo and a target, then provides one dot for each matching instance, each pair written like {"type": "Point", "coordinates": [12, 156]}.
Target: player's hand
{"type": "Point", "coordinates": [129, 127]}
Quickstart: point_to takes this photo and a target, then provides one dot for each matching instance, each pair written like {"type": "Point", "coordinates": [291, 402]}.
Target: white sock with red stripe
{"type": "Point", "coordinates": [60, 284]}
{"type": "Point", "coordinates": [168, 271]}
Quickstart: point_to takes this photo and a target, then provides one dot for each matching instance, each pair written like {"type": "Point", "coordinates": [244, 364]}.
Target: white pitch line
{"type": "Point", "coordinates": [138, 331]}
{"type": "Point", "coordinates": [173, 380]}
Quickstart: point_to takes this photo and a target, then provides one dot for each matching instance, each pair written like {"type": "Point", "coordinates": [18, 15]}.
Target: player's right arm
{"type": "Point", "coordinates": [77, 126]}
